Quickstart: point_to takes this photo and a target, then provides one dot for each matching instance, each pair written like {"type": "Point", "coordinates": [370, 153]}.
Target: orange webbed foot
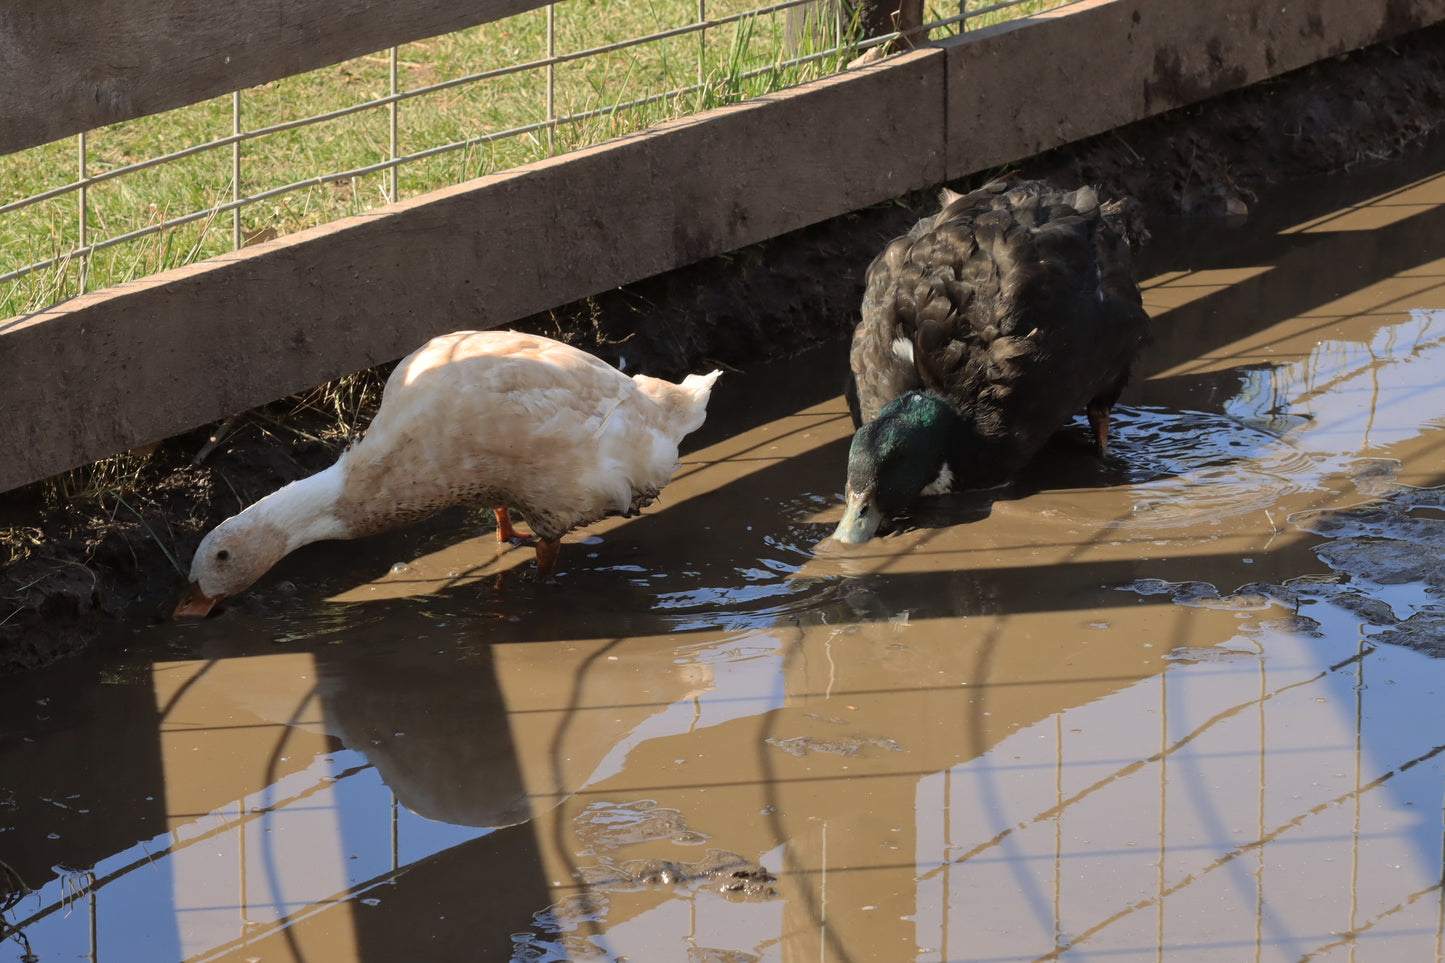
{"type": "Point", "coordinates": [505, 531]}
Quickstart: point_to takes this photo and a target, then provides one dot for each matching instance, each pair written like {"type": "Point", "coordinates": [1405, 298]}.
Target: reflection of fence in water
{"type": "Point", "coordinates": [1283, 816]}
{"type": "Point", "coordinates": [1338, 387]}
{"type": "Point", "coordinates": [1290, 427]}
{"type": "Point", "coordinates": [80, 912]}
{"type": "Point", "coordinates": [174, 883]}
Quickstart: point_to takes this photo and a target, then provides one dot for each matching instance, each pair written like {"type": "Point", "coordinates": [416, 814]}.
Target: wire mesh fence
{"type": "Point", "coordinates": [129, 200]}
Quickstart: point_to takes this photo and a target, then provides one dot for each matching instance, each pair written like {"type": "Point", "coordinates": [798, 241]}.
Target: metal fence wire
{"type": "Point", "coordinates": [754, 57]}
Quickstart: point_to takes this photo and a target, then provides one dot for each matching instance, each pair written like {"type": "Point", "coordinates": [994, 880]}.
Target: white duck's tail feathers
{"type": "Point", "coordinates": [685, 404]}
{"type": "Point", "coordinates": [701, 385]}
{"type": "Point", "coordinates": [700, 388]}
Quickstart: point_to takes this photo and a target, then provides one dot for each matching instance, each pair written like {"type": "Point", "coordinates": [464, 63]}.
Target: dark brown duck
{"type": "Point", "coordinates": [985, 329]}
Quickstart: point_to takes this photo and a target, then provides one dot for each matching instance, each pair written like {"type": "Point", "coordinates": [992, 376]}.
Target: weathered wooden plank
{"type": "Point", "coordinates": [1096, 65]}
{"type": "Point", "coordinates": [72, 65]}
{"type": "Point", "coordinates": [121, 367]}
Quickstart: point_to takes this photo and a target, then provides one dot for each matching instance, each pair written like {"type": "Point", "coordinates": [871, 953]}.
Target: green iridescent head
{"type": "Point", "coordinates": [893, 460]}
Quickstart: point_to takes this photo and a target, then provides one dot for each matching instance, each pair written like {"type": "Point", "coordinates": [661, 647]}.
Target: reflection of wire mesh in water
{"type": "Point", "coordinates": [12, 888]}
{"type": "Point", "coordinates": [1288, 428]}
{"type": "Point", "coordinates": [1355, 395]}
{"type": "Point", "coordinates": [12, 891]}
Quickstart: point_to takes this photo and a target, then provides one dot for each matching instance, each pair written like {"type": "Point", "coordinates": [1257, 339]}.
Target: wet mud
{"type": "Point", "coordinates": [1180, 703]}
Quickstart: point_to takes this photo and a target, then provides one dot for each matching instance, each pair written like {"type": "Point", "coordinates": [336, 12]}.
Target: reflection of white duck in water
{"type": "Point", "coordinates": [493, 418]}
{"type": "Point", "coordinates": [458, 742]}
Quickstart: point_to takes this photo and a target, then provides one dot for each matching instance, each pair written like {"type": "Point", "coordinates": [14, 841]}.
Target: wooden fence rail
{"type": "Point", "coordinates": [141, 361]}
{"type": "Point", "coordinates": [73, 65]}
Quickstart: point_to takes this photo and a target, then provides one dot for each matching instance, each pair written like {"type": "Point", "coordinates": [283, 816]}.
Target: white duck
{"type": "Point", "coordinates": [493, 418]}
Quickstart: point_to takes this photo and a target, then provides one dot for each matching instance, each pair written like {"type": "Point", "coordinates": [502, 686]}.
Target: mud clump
{"type": "Point", "coordinates": [841, 746]}
{"type": "Point", "coordinates": [720, 870]}
{"type": "Point", "coordinates": [108, 545]}
{"type": "Point", "coordinates": [1423, 632]}
{"type": "Point", "coordinates": [1396, 540]}
{"type": "Point", "coordinates": [563, 930]}
{"type": "Point", "coordinates": [80, 558]}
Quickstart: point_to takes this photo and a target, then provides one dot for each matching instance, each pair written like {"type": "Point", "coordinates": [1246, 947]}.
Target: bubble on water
{"type": "Point", "coordinates": [605, 826]}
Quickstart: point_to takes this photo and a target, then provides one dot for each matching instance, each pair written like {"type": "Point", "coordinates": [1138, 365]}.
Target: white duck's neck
{"type": "Point", "coordinates": [304, 511]}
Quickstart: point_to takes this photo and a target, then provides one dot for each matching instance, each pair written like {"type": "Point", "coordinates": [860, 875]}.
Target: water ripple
{"type": "Point", "coordinates": [1184, 468]}
{"type": "Point", "coordinates": [763, 588]}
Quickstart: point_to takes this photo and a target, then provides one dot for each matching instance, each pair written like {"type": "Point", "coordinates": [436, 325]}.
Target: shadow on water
{"type": "Point", "coordinates": [1305, 246]}
{"type": "Point", "coordinates": [1150, 706]}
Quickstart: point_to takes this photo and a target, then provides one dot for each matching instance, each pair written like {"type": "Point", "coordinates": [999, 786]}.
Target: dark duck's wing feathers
{"type": "Point", "coordinates": [1015, 305]}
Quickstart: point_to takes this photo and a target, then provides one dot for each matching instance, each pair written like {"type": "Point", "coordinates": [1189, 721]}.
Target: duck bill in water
{"type": "Point", "coordinates": [861, 518]}
{"type": "Point", "coordinates": [195, 604]}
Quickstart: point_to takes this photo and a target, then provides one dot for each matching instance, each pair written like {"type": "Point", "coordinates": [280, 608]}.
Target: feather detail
{"type": "Point", "coordinates": [1020, 307]}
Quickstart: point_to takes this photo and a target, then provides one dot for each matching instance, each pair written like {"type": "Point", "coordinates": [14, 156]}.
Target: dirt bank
{"type": "Point", "coordinates": [107, 545]}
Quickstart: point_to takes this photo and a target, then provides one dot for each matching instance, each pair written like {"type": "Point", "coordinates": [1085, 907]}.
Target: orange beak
{"type": "Point", "coordinates": [194, 603]}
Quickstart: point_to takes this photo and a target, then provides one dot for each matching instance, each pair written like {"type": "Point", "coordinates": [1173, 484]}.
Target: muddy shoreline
{"type": "Point", "coordinates": [104, 548]}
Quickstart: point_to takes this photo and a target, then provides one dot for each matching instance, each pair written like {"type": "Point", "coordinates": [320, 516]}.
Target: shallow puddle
{"type": "Point", "coordinates": [1178, 705]}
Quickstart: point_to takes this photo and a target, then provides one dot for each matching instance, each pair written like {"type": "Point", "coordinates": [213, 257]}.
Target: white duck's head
{"type": "Point", "coordinates": [243, 547]}
{"type": "Point", "coordinates": [233, 556]}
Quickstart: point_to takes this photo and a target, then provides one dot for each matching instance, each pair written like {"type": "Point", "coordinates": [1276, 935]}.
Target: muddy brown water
{"type": "Point", "coordinates": [1179, 705]}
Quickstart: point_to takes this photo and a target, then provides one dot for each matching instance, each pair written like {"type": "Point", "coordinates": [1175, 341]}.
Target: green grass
{"type": "Point", "coordinates": [731, 63]}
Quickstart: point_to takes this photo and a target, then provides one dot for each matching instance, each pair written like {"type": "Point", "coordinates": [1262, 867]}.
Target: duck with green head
{"type": "Point", "coordinates": [984, 330]}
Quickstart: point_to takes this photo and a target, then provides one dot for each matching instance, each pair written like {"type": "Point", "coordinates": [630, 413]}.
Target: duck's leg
{"type": "Point", "coordinates": [1099, 421]}
{"type": "Point", "coordinates": [547, 551]}
{"type": "Point", "coordinates": [505, 531]}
